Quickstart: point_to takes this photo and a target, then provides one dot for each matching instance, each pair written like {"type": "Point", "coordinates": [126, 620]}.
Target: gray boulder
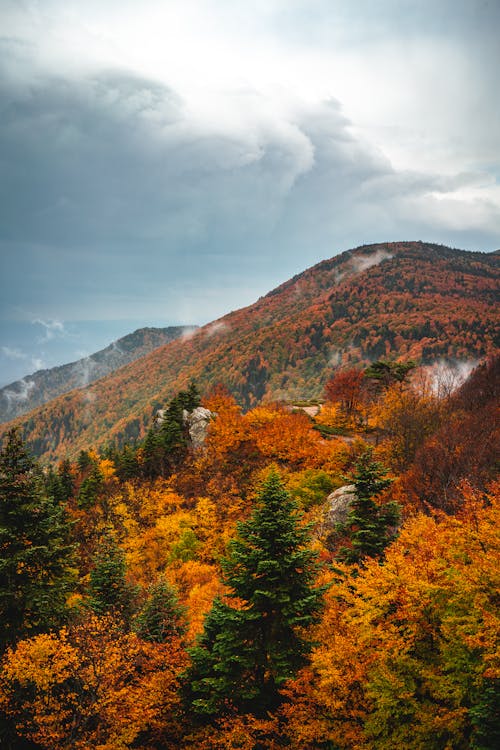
{"type": "Point", "coordinates": [335, 510]}
{"type": "Point", "coordinates": [197, 422]}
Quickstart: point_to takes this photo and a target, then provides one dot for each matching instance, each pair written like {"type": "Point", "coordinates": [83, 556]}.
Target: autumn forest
{"type": "Point", "coordinates": [270, 547]}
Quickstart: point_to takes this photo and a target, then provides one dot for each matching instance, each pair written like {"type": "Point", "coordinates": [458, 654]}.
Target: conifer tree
{"type": "Point", "coordinates": [161, 616]}
{"type": "Point", "coordinates": [109, 590]}
{"type": "Point", "coordinates": [36, 556]}
{"type": "Point", "coordinates": [90, 488]}
{"type": "Point", "coordinates": [249, 649]}
{"type": "Point", "coordinates": [370, 527]}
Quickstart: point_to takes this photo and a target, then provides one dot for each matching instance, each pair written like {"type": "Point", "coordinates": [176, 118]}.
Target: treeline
{"type": "Point", "coordinates": [166, 596]}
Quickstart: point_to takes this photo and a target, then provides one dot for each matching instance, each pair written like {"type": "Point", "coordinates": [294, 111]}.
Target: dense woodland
{"type": "Point", "coordinates": [159, 595]}
{"type": "Point", "coordinates": [394, 300]}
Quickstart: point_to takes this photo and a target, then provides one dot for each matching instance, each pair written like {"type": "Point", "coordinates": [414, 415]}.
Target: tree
{"type": "Point", "coordinates": [250, 647]}
{"type": "Point", "coordinates": [90, 488]}
{"type": "Point", "coordinates": [161, 616]}
{"type": "Point", "coordinates": [347, 388]}
{"type": "Point", "coordinates": [110, 592]}
{"type": "Point", "coordinates": [36, 557]}
{"type": "Point", "coordinates": [72, 689]}
{"type": "Point", "coordinates": [369, 527]}
{"type": "Point", "coordinates": [386, 373]}
{"type": "Point", "coordinates": [165, 445]}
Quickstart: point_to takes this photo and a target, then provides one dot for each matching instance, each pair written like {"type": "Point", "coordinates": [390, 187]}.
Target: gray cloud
{"type": "Point", "coordinates": [120, 200]}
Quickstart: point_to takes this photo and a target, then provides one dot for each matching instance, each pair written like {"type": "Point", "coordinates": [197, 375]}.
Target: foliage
{"type": "Point", "coordinates": [424, 303]}
{"type": "Point", "coordinates": [409, 649]}
{"type": "Point", "coordinates": [369, 527]}
{"type": "Point", "coordinates": [109, 590]}
{"type": "Point", "coordinates": [161, 615]}
{"type": "Point", "coordinates": [250, 648]}
{"type": "Point", "coordinates": [36, 556]}
{"type": "Point", "coordinates": [73, 689]}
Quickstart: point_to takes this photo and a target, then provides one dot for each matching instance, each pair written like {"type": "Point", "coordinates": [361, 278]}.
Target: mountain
{"type": "Point", "coordinates": [22, 396]}
{"type": "Point", "coordinates": [408, 300]}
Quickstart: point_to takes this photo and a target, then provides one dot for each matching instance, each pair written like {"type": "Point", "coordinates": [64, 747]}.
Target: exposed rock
{"type": "Point", "coordinates": [338, 505]}
{"type": "Point", "coordinates": [159, 417]}
{"type": "Point", "coordinates": [197, 422]}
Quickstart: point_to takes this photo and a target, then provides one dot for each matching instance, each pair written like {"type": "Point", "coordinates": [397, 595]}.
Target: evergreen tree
{"type": "Point", "coordinates": [36, 557]}
{"type": "Point", "coordinates": [127, 465]}
{"type": "Point", "coordinates": [191, 398]}
{"type": "Point", "coordinates": [386, 373]}
{"type": "Point", "coordinates": [161, 616]}
{"type": "Point", "coordinates": [66, 480]}
{"type": "Point", "coordinates": [109, 590]}
{"type": "Point", "coordinates": [84, 460]}
{"type": "Point", "coordinates": [90, 488]}
{"type": "Point", "coordinates": [370, 527]}
{"type": "Point", "coordinates": [247, 651]}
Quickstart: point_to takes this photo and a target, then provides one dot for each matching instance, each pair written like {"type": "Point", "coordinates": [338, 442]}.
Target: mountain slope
{"type": "Point", "coordinates": [31, 391]}
{"type": "Point", "coordinates": [406, 300]}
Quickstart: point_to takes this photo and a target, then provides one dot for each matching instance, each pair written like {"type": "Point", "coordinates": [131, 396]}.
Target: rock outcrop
{"type": "Point", "coordinates": [336, 509]}
{"type": "Point", "coordinates": [197, 422]}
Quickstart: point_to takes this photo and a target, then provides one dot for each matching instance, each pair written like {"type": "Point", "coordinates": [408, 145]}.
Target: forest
{"type": "Point", "coordinates": [409, 300]}
{"type": "Point", "coordinates": [324, 579]}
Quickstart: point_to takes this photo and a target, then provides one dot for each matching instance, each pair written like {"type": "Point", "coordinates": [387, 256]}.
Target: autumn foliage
{"type": "Point", "coordinates": [391, 614]}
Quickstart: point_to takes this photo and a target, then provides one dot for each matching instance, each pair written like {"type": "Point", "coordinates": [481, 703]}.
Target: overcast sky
{"type": "Point", "coordinates": [166, 161]}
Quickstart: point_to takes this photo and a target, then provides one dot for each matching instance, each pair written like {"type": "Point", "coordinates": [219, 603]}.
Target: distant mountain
{"type": "Point", "coordinates": [408, 300]}
{"type": "Point", "coordinates": [24, 395]}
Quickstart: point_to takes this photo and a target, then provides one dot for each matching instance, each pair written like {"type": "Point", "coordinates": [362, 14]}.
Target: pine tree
{"type": "Point", "coordinates": [36, 556]}
{"type": "Point", "coordinates": [162, 616]}
{"type": "Point", "coordinates": [90, 488]}
{"type": "Point", "coordinates": [66, 480]}
{"type": "Point", "coordinates": [109, 590]}
{"type": "Point", "coordinates": [249, 649]}
{"type": "Point", "coordinates": [370, 527]}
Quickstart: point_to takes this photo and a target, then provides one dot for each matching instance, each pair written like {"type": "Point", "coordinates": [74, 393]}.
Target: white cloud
{"type": "Point", "coordinates": [12, 353]}
{"type": "Point", "coordinates": [182, 148]}
{"type": "Point", "coordinates": [52, 328]}
{"type": "Point", "coordinates": [360, 263]}
{"type": "Point", "coordinates": [20, 394]}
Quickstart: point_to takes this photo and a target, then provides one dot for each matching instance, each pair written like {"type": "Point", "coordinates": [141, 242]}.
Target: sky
{"type": "Point", "coordinates": [165, 161]}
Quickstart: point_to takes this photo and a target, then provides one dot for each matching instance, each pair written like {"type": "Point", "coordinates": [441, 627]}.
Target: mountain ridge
{"type": "Point", "coordinates": [23, 395]}
{"type": "Point", "coordinates": [392, 300]}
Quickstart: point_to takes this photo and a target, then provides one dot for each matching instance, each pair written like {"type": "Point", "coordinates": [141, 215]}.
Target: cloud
{"type": "Point", "coordinates": [52, 329]}
{"type": "Point", "coordinates": [189, 332]}
{"type": "Point", "coordinates": [12, 353]}
{"type": "Point", "coordinates": [131, 194]}
{"type": "Point", "coordinates": [448, 375]}
{"type": "Point", "coordinates": [359, 263]}
{"type": "Point", "coordinates": [84, 370]}
{"type": "Point", "coordinates": [217, 327]}
{"type": "Point", "coordinates": [20, 393]}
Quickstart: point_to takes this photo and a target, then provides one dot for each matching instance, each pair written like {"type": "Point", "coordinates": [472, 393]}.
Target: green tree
{"type": "Point", "coordinates": [36, 556]}
{"type": "Point", "coordinates": [386, 373]}
{"type": "Point", "coordinates": [370, 527]}
{"type": "Point", "coordinates": [90, 488]}
{"type": "Point", "coordinates": [166, 444]}
{"type": "Point", "coordinates": [249, 649]}
{"type": "Point", "coordinates": [161, 616]}
{"type": "Point", "coordinates": [109, 590]}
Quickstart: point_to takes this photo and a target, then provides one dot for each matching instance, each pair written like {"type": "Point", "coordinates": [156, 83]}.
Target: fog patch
{"type": "Point", "coordinates": [446, 376]}
{"type": "Point", "coordinates": [188, 333]}
{"type": "Point", "coordinates": [84, 370]}
{"type": "Point", "coordinates": [20, 394]}
{"type": "Point", "coordinates": [361, 263]}
{"type": "Point", "coordinates": [218, 327]}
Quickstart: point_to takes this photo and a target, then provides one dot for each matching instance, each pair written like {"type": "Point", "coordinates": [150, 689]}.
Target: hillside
{"type": "Point", "coordinates": [22, 396]}
{"type": "Point", "coordinates": [395, 300]}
